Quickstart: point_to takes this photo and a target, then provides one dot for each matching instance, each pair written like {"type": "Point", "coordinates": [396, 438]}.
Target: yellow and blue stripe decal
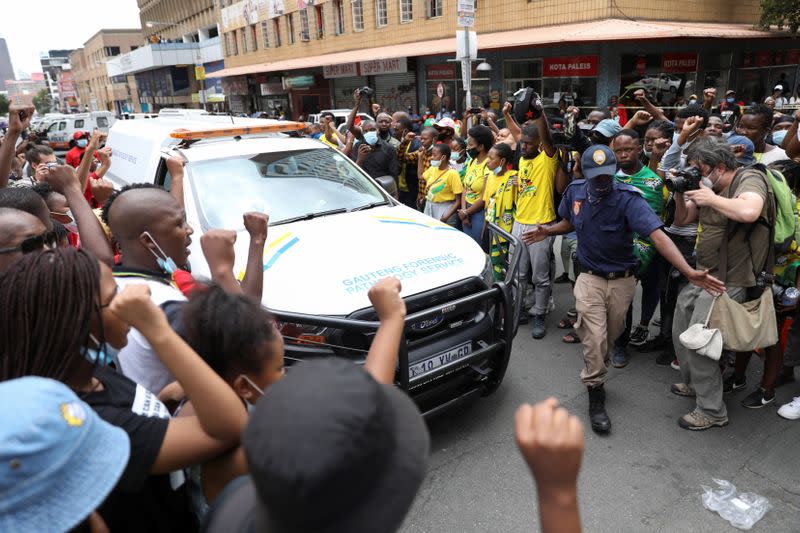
{"type": "Point", "coordinates": [412, 222]}
{"type": "Point", "coordinates": [274, 250]}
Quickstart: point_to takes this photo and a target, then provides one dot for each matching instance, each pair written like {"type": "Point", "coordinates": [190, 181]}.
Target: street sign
{"type": "Point", "coordinates": [466, 74]}
{"type": "Point", "coordinates": [467, 6]}
{"type": "Point", "coordinates": [466, 44]}
{"type": "Point", "coordinates": [466, 19]}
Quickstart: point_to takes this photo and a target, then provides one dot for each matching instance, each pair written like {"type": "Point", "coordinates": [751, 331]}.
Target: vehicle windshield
{"type": "Point", "coordinates": [285, 185]}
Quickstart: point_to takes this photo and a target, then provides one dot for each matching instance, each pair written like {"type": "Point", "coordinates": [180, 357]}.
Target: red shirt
{"type": "Point", "coordinates": [73, 157]}
{"type": "Point", "coordinates": [88, 192]}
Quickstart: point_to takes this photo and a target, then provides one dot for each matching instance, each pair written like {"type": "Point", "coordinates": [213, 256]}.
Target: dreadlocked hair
{"type": "Point", "coordinates": [227, 330]}
{"type": "Point", "coordinates": [116, 194]}
{"type": "Point", "coordinates": [48, 300]}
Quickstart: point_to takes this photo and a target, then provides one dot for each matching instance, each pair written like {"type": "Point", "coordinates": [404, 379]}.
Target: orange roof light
{"type": "Point", "coordinates": [234, 131]}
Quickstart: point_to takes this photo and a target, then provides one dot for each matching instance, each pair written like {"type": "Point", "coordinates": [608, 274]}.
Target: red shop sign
{"type": "Point", "coordinates": [792, 57]}
{"type": "Point", "coordinates": [444, 71]}
{"type": "Point", "coordinates": [683, 62]}
{"type": "Point", "coordinates": [763, 59]}
{"type": "Point", "coordinates": [570, 66]}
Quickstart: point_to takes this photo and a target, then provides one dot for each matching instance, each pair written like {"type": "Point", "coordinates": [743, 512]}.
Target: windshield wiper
{"type": "Point", "coordinates": [369, 206]}
{"type": "Point", "coordinates": [309, 216]}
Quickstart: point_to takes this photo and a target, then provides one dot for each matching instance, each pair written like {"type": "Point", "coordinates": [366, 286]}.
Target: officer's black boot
{"type": "Point", "coordinates": [597, 410]}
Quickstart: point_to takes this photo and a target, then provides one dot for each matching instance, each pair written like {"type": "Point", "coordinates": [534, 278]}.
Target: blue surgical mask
{"type": "Point", "coordinates": [163, 261]}
{"type": "Point", "coordinates": [371, 137]}
{"type": "Point", "coordinates": [692, 101]}
{"type": "Point", "coordinates": [647, 154]}
{"type": "Point", "coordinates": [730, 100]}
{"type": "Point", "coordinates": [778, 137]}
{"type": "Point", "coordinates": [81, 143]}
{"type": "Point", "coordinates": [103, 355]}
{"type": "Point", "coordinates": [435, 163]}
{"type": "Point", "coordinates": [455, 156]}
{"type": "Point", "coordinates": [498, 170]}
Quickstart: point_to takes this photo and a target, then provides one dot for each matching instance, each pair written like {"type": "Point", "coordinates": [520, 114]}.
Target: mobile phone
{"type": "Point", "coordinates": [475, 110]}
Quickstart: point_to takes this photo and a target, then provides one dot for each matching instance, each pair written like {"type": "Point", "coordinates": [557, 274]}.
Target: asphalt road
{"type": "Point", "coordinates": [644, 476]}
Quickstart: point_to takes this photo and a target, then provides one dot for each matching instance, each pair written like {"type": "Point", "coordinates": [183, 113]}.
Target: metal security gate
{"type": "Point", "coordinates": [396, 92]}
{"type": "Point", "coordinates": [343, 91]}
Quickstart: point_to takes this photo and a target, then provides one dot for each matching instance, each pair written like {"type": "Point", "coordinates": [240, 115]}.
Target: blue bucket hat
{"type": "Point", "coordinates": [58, 459]}
{"type": "Point", "coordinates": [608, 128]}
{"type": "Point", "coordinates": [749, 148]}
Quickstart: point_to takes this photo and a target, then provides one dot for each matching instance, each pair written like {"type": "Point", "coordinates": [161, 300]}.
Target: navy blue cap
{"type": "Point", "coordinates": [598, 160]}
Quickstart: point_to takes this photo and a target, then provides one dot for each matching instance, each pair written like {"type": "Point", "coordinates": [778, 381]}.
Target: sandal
{"type": "Point", "coordinates": [567, 323]}
{"type": "Point", "coordinates": [571, 338]}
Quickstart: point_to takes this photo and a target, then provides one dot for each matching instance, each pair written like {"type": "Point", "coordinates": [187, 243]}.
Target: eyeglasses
{"type": "Point", "coordinates": [33, 244]}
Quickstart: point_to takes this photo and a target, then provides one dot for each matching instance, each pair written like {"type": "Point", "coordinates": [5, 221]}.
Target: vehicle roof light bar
{"type": "Point", "coordinates": [209, 133]}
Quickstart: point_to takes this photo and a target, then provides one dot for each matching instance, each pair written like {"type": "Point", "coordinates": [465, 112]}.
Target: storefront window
{"type": "Point", "coordinates": [664, 77]}
{"type": "Point", "coordinates": [520, 74]}
{"type": "Point", "coordinates": [763, 71]}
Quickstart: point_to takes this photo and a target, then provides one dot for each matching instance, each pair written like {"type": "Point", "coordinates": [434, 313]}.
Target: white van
{"type": "Point", "coordinates": [333, 233]}
{"type": "Point", "coordinates": [60, 132]}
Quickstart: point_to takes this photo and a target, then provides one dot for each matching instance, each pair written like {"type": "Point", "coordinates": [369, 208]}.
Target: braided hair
{"type": "Point", "coordinates": [48, 300]}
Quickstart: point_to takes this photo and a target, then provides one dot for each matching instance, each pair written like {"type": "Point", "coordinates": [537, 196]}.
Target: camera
{"type": "Point", "coordinates": [685, 180]}
{"type": "Point", "coordinates": [475, 110]}
{"type": "Point", "coordinates": [50, 166]}
{"type": "Point", "coordinates": [366, 91]}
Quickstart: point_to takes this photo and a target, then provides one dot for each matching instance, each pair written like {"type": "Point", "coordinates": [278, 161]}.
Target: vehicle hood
{"type": "Point", "coordinates": [325, 266]}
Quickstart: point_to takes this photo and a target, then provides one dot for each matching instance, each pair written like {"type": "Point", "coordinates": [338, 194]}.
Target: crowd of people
{"type": "Point", "coordinates": [154, 401]}
{"type": "Point", "coordinates": [148, 400]}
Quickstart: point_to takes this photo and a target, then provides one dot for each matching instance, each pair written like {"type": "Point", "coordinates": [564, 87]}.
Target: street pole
{"type": "Point", "coordinates": [466, 70]}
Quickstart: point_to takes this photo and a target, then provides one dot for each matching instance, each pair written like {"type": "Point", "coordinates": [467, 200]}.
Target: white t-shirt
{"type": "Point", "coordinates": [137, 359]}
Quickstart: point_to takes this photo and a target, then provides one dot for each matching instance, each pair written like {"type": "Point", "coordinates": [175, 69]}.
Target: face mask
{"type": "Point", "coordinates": [455, 156]}
{"type": "Point", "coordinates": [472, 152]}
{"type": "Point", "coordinates": [498, 170]}
{"type": "Point", "coordinates": [103, 355]}
{"type": "Point", "coordinates": [647, 154]}
{"type": "Point", "coordinates": [692, 102]}
{"type": "Point", "coordinates": [250, 406]}
{"type": "Point", "coordinates": [435, 163]}
{"type": "Point", "coordinates": [730, 100]}
{"type": "Point", "coordinates": [371, 137]}
{"type": "Point", "coordinates": [163, 261]}
{"type": "Point", "coordinates": [442, 136]}
{"type": "Point", "coordinates": [599, 188]}
{"type": "Point", "coordinates": [778, 137]}
{"type": "Point", "coordinates": [707, 180]}
{"type": "Point", "coordinates": [82, 143]}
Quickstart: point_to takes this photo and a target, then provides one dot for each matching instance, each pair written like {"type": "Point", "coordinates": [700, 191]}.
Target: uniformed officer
{"type": "Point", "coordinates": [605, 214]}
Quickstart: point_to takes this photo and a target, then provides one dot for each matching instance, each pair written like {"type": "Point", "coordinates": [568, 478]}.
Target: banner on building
{"type": "Point", "coordinates": [682, 62]}
{"type": "Point", "coordinates": [366, 68]}
{"type": "Point", "coordinates": [66, 85]}
{"type": "Point", "coordinates": [275, 8]}
{"type": "Point", "coordinates": [569, 67]}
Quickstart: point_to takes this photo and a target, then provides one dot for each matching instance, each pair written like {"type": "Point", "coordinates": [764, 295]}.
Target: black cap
{"type": "Point", "coordinates": [331, 450]}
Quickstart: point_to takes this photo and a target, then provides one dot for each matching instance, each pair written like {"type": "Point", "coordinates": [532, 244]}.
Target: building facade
{"type": "Point", "coordinates": [6, 68]}
{"type": "Point", "coordinates": [181, 45]}
{"type": "Point", "coordinates": [58, 77]}
{"type": "Point", "coordinates": [97, 90]}
{"type": "Point", "coordinates": [21, 92]}
{"type": "Point", "coordinates": [311, 55]}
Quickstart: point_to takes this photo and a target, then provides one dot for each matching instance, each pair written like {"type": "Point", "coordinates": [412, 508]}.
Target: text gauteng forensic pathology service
{"type": "Point", "coordinates": [411, 269]}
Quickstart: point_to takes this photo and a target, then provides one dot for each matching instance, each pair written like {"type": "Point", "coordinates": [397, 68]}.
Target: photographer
{"type": "Point", "coordinates": [713, 202]}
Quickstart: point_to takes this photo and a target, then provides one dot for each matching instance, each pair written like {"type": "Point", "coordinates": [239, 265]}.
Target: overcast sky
{"type": "Point", "coordinates": [53, 25]}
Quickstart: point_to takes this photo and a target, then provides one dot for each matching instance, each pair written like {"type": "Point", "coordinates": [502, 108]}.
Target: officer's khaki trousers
{"type": "Point", "coordinates": [601, 305]}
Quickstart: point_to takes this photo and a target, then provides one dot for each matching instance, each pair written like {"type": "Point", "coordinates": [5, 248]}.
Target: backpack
{"type": "Point", "coordinates": [785, 222]}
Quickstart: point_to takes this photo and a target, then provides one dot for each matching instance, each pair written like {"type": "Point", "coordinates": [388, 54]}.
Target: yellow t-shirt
{"type": "Point", "coordinates": [442, 185]}
{"type": "Point", "coordinates": [536, 180]}
{"type": "Point", "coordinates": [474, 180]}
{"type": "Point", "coordinates": [329, 143]}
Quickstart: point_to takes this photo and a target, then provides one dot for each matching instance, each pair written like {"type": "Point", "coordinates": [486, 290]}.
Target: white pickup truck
{"type": "Point", "coordinates": [334, 231]}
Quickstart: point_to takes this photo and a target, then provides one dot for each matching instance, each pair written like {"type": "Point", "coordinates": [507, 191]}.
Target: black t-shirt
{"type": "Point", "coordinates": [140, 501]}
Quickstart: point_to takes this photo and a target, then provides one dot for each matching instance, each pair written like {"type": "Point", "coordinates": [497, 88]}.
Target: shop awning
{"type": "Point", "coordinates": [602, 30]}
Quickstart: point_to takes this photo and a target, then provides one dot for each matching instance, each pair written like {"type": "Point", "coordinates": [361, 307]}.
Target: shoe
{"type": "Point", "coordinates": [697, 420]}
{"type": "Point", "coordinates": [572, 313]}
{"type": "Point", "coordinates": [563, 278]}
{"type": "Point", "coordinates": [665, 358]}
{"type": "Point", "coordinates": [791, 410]}
{"type": "Point", "coordinates": [539, 328]}
{"type": "Point", "coordinates": [682, 389]}
{"type": "Point", "coordinates": [675, 364]}
{"type": "Point", "coordinates": [598, 416]}
{"type": "Point", "coordinates": [524, 318]}
{"type": "Point", "coordinates": [731, 384]}
{"type": "Point", "coordinates": [639, 336]}
{"type": "Point", "coordinates": [656, 322]}
{"type": "Point", "coordinates": [619, 357]}
{"type": "Point", "coordinates": [653, 344]}
{"type": "Point", "coordinates": [758, 399]}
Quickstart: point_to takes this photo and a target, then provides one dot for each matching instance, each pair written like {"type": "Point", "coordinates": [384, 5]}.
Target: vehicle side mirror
{"type": "Point", "coordinates": [388, 184]}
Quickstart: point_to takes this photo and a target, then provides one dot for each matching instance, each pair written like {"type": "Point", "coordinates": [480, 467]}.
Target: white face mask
{"type": "Point", "coordinates": [251, 406]}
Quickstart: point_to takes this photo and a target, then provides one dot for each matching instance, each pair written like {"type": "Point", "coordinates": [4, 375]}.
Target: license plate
{"type": "Point", "coordinates": [432, 363]}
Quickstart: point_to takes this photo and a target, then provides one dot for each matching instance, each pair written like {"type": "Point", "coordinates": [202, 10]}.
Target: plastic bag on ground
{"type": "Point", "coordinates": [742, 510]}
